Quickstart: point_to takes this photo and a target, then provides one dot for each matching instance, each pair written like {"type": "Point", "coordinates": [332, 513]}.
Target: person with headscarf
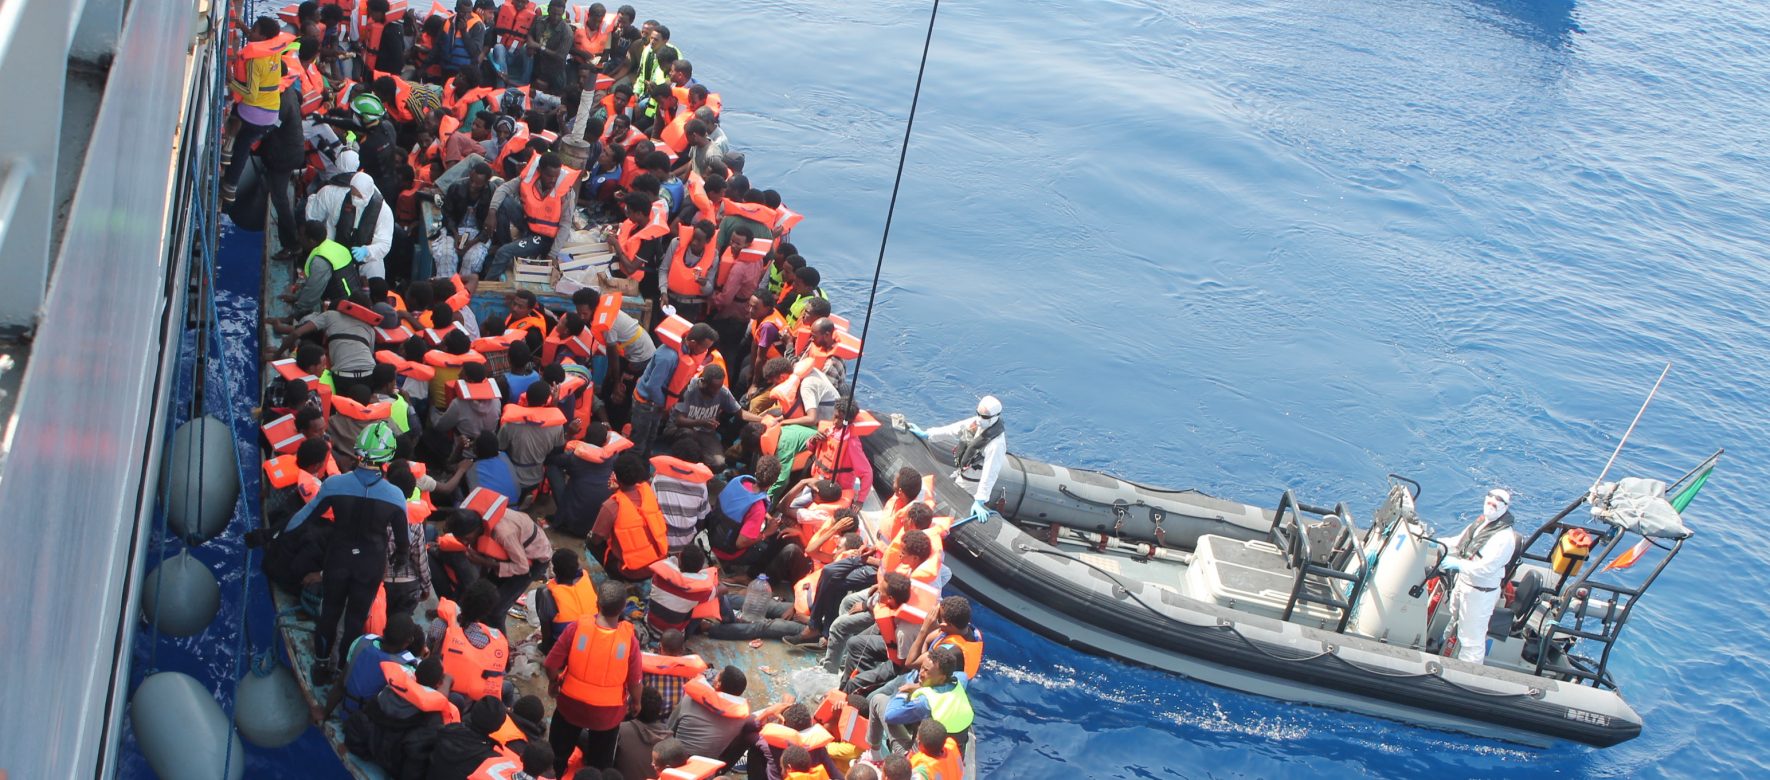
{"type": "Point", "coordinates": [979, 448]}
{"type": "Point", "coordinates": [355, 215]}
{"type": "Point", "coordinates": [1479, 556]}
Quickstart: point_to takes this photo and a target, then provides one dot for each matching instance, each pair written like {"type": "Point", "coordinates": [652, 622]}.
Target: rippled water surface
{"type": "Point", "coordinates": [1256, 245]}
{"type": "Point", "coordinates": [1248, 246]}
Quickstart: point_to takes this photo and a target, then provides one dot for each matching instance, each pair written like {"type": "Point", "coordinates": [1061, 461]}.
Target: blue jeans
{"type": "Point", "coordinates": [514, 63]}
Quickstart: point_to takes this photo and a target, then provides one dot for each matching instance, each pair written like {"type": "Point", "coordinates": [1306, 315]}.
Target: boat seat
{"type": "Point", "coordinates": [1250, 576]}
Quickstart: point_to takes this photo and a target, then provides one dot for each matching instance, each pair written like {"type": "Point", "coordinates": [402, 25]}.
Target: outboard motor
{"type": "Point", "coordinates": [1397, 550]}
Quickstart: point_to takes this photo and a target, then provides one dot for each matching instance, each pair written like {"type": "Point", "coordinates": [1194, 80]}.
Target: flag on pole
{"type": "Point", "coordinates": [1630, 557]}
{"type": "Point", "coordinates": [1689, 492]}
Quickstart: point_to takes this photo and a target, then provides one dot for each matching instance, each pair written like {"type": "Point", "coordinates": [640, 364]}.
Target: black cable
{"type": "Point", "coordinates": [885, 238]}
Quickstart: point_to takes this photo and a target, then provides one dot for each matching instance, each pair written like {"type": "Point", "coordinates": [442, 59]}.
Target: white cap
{"type": "Point", "coordinates": [349, 161]}
{"type": "Point", "coordinates": [988, 407]}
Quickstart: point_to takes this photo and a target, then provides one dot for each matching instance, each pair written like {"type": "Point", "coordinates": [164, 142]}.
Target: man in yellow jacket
{"type": "Point", "coordinates": [257, 83]}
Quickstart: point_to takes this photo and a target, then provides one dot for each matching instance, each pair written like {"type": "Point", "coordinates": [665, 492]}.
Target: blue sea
{"type": "Point", "coordinates": [1254, 245]}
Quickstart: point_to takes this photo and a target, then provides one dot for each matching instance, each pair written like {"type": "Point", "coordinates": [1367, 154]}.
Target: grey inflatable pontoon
{"type": "Point", "coordinates": [1290, 601]}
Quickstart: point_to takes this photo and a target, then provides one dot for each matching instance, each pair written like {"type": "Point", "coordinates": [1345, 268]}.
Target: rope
{"type": "Point", "coordinates": [891, 209]}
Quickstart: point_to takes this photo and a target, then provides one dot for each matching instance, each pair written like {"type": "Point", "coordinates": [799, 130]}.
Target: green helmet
{"type": "Point", "coordinates": [375, 444]}
{"type": "Point", "coordinates": [367, 106]}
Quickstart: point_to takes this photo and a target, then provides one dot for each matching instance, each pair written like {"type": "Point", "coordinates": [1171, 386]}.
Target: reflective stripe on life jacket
{"type": "Point", "coordinates": [398, 334]}
{"type": "Point", "coordinates": [596, 665]}
{"type": "Point", "coordinates": [475, 391]}
{"type": "Point", "coordinates": [282, 435]}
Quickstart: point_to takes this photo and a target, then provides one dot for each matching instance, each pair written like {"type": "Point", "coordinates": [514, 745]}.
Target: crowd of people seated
{"type": "Point", "coordinates": [424, 458]}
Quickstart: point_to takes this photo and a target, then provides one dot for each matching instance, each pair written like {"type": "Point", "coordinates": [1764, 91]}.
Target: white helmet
{"type": "Point", "coordinates": [988, 407]}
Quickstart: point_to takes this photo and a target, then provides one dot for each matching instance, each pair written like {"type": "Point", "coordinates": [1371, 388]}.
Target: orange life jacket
{"type": "Point", "coordinates": [639, 531]}
{"type": "Point", "coordinates": [281, 472]}
{"type": "Point", "coordinates": [787, 219]}
{"type": "Point", "coordinates": [478, 672]}
{"type": "Point", "coordinates": [971, 649]}
{"type": "Point", "coordinates": [313, 90]}
{"type": "Point", "coordinates": [724, 705]}
{"type": "Point", "coordinates": [508, 733]}
{"type": "Point", "coordinates": [697, 768]}
{"type": "Point", "coordinates": [398, 334]}
{"type": "Point", "coordinates": [282, 434]}
{"type": "Point", "coordinates": [411, 369]}
{"type": "Point", "coordinates": [380, 410]}
{"type": "Point", "coordinates": [573, 601]}
{"type": "Point", "coordinates": [544, 416]}
{"type": "Point", "coordinates": [677, 468]}
{"type": "Point", "coordinates": [405, 685]}
{"type": "Point", "coordinates": [608, 307]}
{"type": "Point", "coordinates": [924, 600]}
{"type": "Point", "coordinates": [591, 453]}
{"type": "Point", "coordinates": [896, 509]}
{"type": "Point", "coordinates": [359, 312]}
{"type": "Point", "coordinates": [755, 212]}
{"type": "Point", "coordinates": [682, 666]}
{"type": "Point", "coordinates": [734, 256]}
{"type": "Point", "coordinates": [596, 666]}
{"type": "Point", "coordinates": [441, 359]}
{"type": "Point", "coordinates": [949, 766]}
{"type": "Point", "coordinates": [780, 737]}
{"type": "Point", "coordinates": [513, 25]}
{"type": "Point", "coordinates": [518, 141]}
{"type": "Point", "coordinates": [688, 281]}
{"type": "Point", "coordinates": [581, 347]}
{"type": "Point", "coordinates": [780, 323]}
{"type": "Point", "coordinates": [817, 772]}
{"type": "Point", "coordinates": [543, 209]}
{"type": "Point", "coordinates": [494, 507]}
{"type": "Point", "coordinates": [474, 391]}
{"type": "Point", "coordinates": [851, 724]}
{"type": "Point", "coordinates": [435, 335]}
{"type": "Point", "coordinates": [502, 766]}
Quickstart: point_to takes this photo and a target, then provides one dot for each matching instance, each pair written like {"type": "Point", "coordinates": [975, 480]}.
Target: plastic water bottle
{"type": "Point", "coordinates": [756, 600]}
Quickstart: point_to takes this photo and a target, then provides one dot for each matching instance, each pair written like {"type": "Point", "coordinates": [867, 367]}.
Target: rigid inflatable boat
{"type": "Point", "coordinates": [1293, 601]}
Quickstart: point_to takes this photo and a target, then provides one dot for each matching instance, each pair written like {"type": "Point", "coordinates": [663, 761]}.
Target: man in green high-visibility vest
{"type": "Point", "coordinates": [329, 274]}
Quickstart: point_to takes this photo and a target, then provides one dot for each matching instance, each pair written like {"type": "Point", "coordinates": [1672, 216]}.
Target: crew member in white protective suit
{"type": "Point", "coordinates": [368, 232]}
{"type": "Point", "coordinates": [1479, 556]}
{"type": "Point", "coordinates": [979, 448]}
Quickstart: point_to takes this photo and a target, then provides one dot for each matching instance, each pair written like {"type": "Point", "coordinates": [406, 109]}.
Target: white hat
{"type": "Point", "coordinates": [988, 407]}
{"type": "Point", "coordinates": [349, 161]}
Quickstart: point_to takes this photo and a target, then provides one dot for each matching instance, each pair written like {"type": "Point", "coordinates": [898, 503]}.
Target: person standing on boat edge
{"type": "Point", "coordinates": [1479, 556]}
{"type": "Point", "coordinates": [979, 448]}
{"type": "Point", "coordinates": [365, 508]}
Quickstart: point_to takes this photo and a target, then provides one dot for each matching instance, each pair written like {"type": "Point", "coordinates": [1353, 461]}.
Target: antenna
{"type": "Point", "coordinates": [1632, 424]}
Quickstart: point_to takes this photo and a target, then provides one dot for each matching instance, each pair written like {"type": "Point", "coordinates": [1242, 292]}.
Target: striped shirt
{"type": "Point", "coordinates": [684, 505]}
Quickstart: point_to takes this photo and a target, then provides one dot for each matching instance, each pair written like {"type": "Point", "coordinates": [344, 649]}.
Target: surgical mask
{"type": "Point", "coordinates": [1492, 508]}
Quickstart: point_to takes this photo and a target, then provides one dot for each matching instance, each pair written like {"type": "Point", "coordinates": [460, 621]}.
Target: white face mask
{"type": "Point", "coordinates": [1492, 508]}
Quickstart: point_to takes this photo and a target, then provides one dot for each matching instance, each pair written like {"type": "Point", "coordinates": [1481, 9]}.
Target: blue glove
{"type": "Point", "coordinates": [979, 512]}
{"type": "Point", "coordinates": [916, 430]}
{"type": "Point", "coordinates": [360, 254]}
{"type": "Point", "coordinates": [1451, 564]}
